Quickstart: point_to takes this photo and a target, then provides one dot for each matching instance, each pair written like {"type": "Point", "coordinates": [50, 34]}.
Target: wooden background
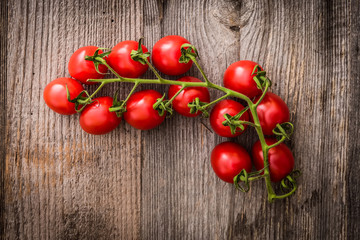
{"type": "Point", "coordinates": [58, 182]}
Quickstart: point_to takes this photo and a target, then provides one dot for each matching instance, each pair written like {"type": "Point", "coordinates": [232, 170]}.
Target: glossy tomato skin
{"type": "Point", "coordinates": [82, 69]}
{"type": "Point", "coordinates": [217, 117]}
{"type": "Point", "coordinates": [271, 111]}
{"type": "Point", "coordinates": [97, 119]}
{"type": "Point", "coordinates": [188, 95]}
{"type": "Point", "coordinates": [238, 77]}
{"type": "Point", "coordinates": [120, 60]}
{"type": "Point", "coordinates": [55, 95]}
{"type": "Point", "coordinates": [228, 159]}
{"type": "Point", "coordinates": [281, 160]}
{"type": "Point", "coordinates": [166, 54]}
{"type": "Point", "coordinates": [140, 112]}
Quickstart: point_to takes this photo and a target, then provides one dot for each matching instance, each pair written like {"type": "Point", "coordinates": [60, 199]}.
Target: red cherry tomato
{"type": "Point", "coordinates": [217, 117]}
{"type": "Point", "coordinates": [238, 77]}
{"type": "Point", "coordinates": [97, 119]}
{"type": "Point", "coordinates": [140, 112]}
{"type": "Point", "coordinates": [166, 54]}
{"type": "Point", "coordinates": [188, 95]}
{"type": "Point", "coordinates": [82, 69]}
{"type": "Point", "coordinates": [228, 159]}
{"type": "Point", "coordinates": [271, 111]}
{"type": "Point", "coordinates": [55, 95]}
{"type": "Point", "coordinates": [120, 60]}
{"type": "Point", "coordinates": [281, 160]}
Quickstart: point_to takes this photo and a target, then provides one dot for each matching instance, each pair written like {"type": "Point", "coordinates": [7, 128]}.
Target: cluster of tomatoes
{"type": "Point", "coordinates": [228, 159]}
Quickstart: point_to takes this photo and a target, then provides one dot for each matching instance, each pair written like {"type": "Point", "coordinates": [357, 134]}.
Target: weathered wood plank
{"type": "Point", "coordinates": [3, 89]}
{"type": "Point", "coordinates": [303, 46]}
{"type": "Point", "coordinates": [61, 182]}
{"type": "Point", "coordinates": [352, 180]}
{"type": "Point", "coordinates": [181, 197]}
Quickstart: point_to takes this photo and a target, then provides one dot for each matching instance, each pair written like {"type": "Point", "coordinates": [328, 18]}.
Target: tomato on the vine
{"type": "Point", "coordinates": [166, 54]}
{"type": "Point", "coordinates": [217, 117]}
{"type": "Point", "coordinates": [238, 77]}
{"type": "Point", "coordinates": [97, 119]}
{"type": "Point", "coordinates": [188, 95]}
{"type": "Point", "coordinates": [82, 69]}
{"type": "Point", "coordinates": [55, 95]}
{"type": "Point", "coordinates": [120, 59]}
{"type": "Point", "coordinates": [271, 111]}
{"type": "Point", "coordinates": [140, 112]}
{"type": "Point", "coordinates": [228, 159]}
{"type": "Point", "coordinates": [281, 160]}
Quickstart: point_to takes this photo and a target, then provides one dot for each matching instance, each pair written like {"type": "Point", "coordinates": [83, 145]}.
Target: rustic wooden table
{"type": "Point", "coordinates": [58, 182]}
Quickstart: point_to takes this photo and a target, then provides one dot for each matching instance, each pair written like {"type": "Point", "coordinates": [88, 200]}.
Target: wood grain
{"type": "Point", "coordinates": [3, 89]}
{"type": "Point", "coordinates": [58, 182]}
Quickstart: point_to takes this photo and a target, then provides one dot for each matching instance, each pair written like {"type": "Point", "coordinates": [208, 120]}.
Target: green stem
{"type": "Point", "coordinates": [153, 69]}
{"type": "Point", "coordinates": [108, 66]}
{"type": "Point", "coordinates": [239, 122]}
{"type": "Point", "coordinates": [265, 149]}
{"type": "Point", "coordinates": [93, 94]}
{"type": "Point", "coordinates": [285, 195]}
{"type": "Point", "coordinates": [255, 178]}
{"type": "Point", "coordinates": [263, 94]}
{"type": "Point", "coordinates": [199, 67]}
{"type": "Point", "coordinates": [230, 92]}
{"type": "Point", "coordinates": [176, 94]}
{"type": "Point", "coordinates": [277, 143]}
{"type": "Point", "coordinates": [216, 100]}
{"type": "Point", "coordinates": [114, 109]}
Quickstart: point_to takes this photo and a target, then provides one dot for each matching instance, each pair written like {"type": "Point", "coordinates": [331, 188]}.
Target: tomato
{"type": "Point", "coordinates": [120, 60]}
{"type": "Point", "coordinates": [238, 77]}
{"type": "Point", "coordinates": [217, 117]}
{"type": "Point", "coordinates": [55, 95]}
{"type": "Point", "coordinates": [82, 69]}
{"type": "Point", "coordinates": [281, 160]}
{"type": "Point", "coordinates": [166, 54]}
{"type": "Point", "coordinates": [228, 159]}
{"type": "Point", "coordinates": [271, 111]}
{"type": "Point", "coordinates": [97, 119]}
{"type": "Point", "coordinates": [140, 112]}
{"type": "Point", "coordinates": [188, 95]}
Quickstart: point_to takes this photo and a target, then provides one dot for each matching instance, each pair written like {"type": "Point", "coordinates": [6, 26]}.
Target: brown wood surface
{"type": "Point", "coordinates": [58, 182]}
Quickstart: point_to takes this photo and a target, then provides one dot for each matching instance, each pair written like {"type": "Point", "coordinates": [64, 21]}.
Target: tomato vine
{"type": "Point", "coordinates": [189, 54]}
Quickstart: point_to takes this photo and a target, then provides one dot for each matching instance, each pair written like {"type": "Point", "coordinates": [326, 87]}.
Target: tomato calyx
{"type": "Point", "coordinates": [138, 55]}
{"type": "Point", "coordinates": [80, 100]}
{"type": "Point", "coordinates": [118, 106]}
{"type": "Point", "coordinates": [289, 182]}
{"type": "Point", "coordinates": [234, 122]}
{"type": "Point", "coordinates": [163, 106]}
{"type": "Point", "coordinates": [288, 186]}
{"type": "Point", "coordinates": [197, 106]}
{"type": "Point", "coordinates": [188, 53]}
{"type": "Point", "coordinates": [98, 59]}
{"type": "Point", "coordinates": [260, 77]}
{"type": "Point", "coordinates": [245, 178]}
{"type": "Point", "coordinates": [283, 130]}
